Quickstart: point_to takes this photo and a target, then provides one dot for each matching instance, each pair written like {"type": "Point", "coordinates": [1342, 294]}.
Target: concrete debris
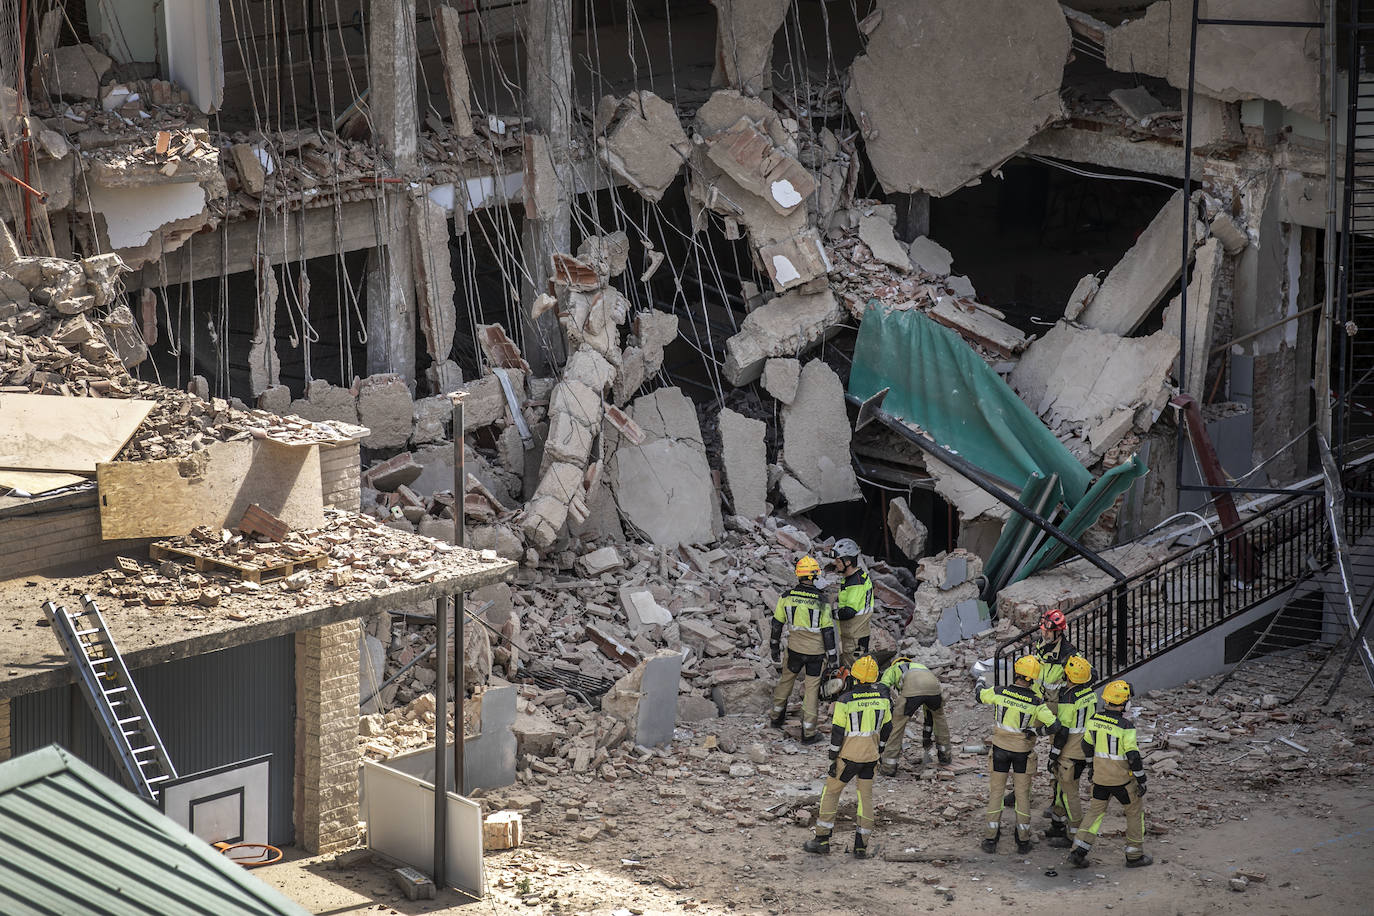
{"type": "Point", "coordinates": [384, 407]}
{"type": "Point", "coordinates": [600, 561]}
{"type": "Point", "coordinates": [644, 142]}
{"type": "Point", "coordinates": [786, 325]}
{"type": "Point", "coordinates": [746, 153]}
{"type": "Point", "coordinates": [1137, 103]}
{"type": "Point", "coordinates": [876, 233]}
{"type": "Point", "coordinates": [252, 175]}
{"type": "Point", "coordinates": [914, 138]}
{"type": "Point", "coordinates": [780, 378]}
{"type": "Point", "coordinates": [264, 366]}
{"type": "Point", "coordinates": [501, 829]}
{"type": "Point", "coordinates": [1080, 297]}
{"type": "Point", "coordinates": [456, 81]}
{"type": "Point", "coordinates": [744, 43]}
{"type": "Point", "coordinates": [642, 611]}
{"type": "Point", "coordinates": [1091, 387]}
{"type": "Point", "coordinates": [434, 286]}
{"type": "Point", "coordinates": [1142, 277]}
{"type": "Point", "coordinates": [816, 435]}
{"type": "Point", "coordinates": [980, 324]}
{"type": "Point", "coordinates": [75, 71]}
{"type": "Point", "coordinates": [663, 487]}
{"type": "Point", "coordinates": [1233, 238]}
{"type": "Point", "coordinates": [744, 456]}
{"type": "Point", "coordinates": [908, 532]}
{"type": "Point", "coordinates": [796, 260]}
{"type": "Point", "coordinates": [1203, 292]}
{"type": "Point", "coordinates": [324, 401]}
{"type": "Point", "coordinates": [930, 256]}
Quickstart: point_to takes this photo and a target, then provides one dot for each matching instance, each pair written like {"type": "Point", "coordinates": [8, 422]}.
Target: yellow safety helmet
{"type": "Point", "coordinates": [808, 568]}
{"type": "Point", "coordinates": [1116, 693]}
{"type": "Point", "coordinates": [865, 670]}
{"type": "Point", "coordinates": [1028, 667]}
{"type": "Point", "coordinates": [1078, 670]}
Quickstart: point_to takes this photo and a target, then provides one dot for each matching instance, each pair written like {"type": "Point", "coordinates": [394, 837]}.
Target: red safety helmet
{"type": "Point", "coordinates": [1054, 621]}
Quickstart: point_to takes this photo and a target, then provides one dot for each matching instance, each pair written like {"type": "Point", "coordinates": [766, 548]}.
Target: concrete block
{"type": "Point", "coordinates": [744, 455]}
{"type": "Point", "coordinates": [502, 830]}
{"type": "Point", "coordinates": [416, 886]}
{"type": "Point", "coordinates": [816, 436]}
{"type": "Point", "coordinates": [930, 257]}
{"type": "Point", "coordinates": [600, 561]}
{"type": "Point", "coordinates": [641, 610]}
{"type": "Point", "coordinates": [780, 377]}
{"type": "Point", "coordinates": [384, 407]}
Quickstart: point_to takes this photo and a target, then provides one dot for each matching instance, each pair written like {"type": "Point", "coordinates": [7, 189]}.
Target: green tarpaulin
{"type": "Point", "coordinates": [939, 383]}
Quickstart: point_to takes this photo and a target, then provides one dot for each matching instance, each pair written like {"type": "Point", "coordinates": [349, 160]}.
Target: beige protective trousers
{"type": "Point", "coordinates": [862, 775]}
{"type": "Point", "coordinates": [1129, 796]}
{"type": "Point", "coordinates": [1019, 766]}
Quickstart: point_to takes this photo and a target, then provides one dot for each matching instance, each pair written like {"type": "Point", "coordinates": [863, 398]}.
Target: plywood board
{"type": "Point", "coordinates": [35, 483]}
{"type": "Point", "coordinates": [141, 499]}
{"type": "Point", "coordinates": [45, 432]}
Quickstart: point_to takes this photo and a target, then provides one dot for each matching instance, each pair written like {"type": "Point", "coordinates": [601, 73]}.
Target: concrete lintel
{"type": "Point", "coordinates": [1107, 149]}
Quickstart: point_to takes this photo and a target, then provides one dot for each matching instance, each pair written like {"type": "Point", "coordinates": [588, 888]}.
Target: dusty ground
{"type": "Point", "coordinates": [694, 838]}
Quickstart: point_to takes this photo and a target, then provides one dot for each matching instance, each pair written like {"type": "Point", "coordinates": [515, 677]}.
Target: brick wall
{"type": "Point", "coordinates": [34, 543]}
{"type": "Point", "coordinates": [5, 745]}
{"type": "Point", "coordinates": [326, 813]}
{"type": "Point", "coordinates": [341, 476]}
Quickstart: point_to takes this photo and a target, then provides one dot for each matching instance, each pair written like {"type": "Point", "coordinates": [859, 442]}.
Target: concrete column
{"type": "Point", "coordinates": [395, 119]}
{"type": "Point", "coordinates": [326, 784]}
{"type": "Point", "coordinates": [913, 215]}
{"type": "Point", "coordinates": [6, 747]}
{"type": "Point", "coordinates": [548, 100]}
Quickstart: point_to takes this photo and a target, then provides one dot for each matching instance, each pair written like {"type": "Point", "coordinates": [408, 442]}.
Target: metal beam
{"type": "Point", "coordinates": [871, 410]}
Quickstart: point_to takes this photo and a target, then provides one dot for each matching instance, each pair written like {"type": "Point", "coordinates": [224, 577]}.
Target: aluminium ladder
{"type": "Point", "coordinates": [111, 694]}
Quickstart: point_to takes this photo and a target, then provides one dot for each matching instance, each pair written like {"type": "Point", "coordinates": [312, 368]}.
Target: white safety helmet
{"type": "Point", "coordinates": [845, 547]}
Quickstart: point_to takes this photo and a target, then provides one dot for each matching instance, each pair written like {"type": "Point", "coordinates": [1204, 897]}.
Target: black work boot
{"type": "Point", "coordinates": [1023, 846]}
{"type": "Point", "coordinates": [820, 843]}
{"type": "Point", "coordinates": [887, 769]}
{"type": "Point", "coordinates": [946, 758]}
{"type": "Point", "coordinates": [1079, 857]}
{"type": "Point", "coordinates": [811, 738]}
{"type": "Point", "coordinates": [990, 843]}
{"type": "Point", "coordinates": [779, 720]}
{"type": "Point", "coordinates": [1140, 862]}
{"type": "Point", "coordinates": [860, 846]}
{"type": "Point", "coordinates": [1058, 836]}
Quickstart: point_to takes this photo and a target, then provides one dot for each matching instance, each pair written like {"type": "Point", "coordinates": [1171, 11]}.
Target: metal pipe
{"type": "Point", "coordinates": [460, 476]}
{"type": "Point", "coordinates": [440, 737]}
{"type": "Point", "coordinates": [870, 410]}
{"type": "Point", "coordinates": [1276, 23]}
{"type": "Point", "coordinates": [1264, 330]}
{"type": "Point", "coordinates": [1187, 230]}
{"type": "Point", "coordinates": [1322, 373]}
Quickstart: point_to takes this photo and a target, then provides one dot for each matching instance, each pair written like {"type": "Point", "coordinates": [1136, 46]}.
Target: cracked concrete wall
{"type": "Point", "coordinates": [663, 485]}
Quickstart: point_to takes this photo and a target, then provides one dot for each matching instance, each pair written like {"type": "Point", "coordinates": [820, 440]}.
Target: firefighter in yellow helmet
{"type": "Point", "coordinates": [1017, 711]}
{"type": "Point", "coordinates": [1119, 773]}
{"type": "Point", "coordinates": [810, 643]}
{"type": "Point", "coordinates": [1077, 704]}
{"type": "Point", "coordinates": [913, 688]}
{"type": "Point", "coordinates": [859, 729]}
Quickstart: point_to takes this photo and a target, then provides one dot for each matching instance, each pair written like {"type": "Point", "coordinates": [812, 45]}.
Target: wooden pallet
{"type": "Point", "coordinates": [242, 570]}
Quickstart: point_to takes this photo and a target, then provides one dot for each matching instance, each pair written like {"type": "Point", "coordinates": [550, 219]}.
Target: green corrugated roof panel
{"type": "Point", "coordinates": [72, 841]}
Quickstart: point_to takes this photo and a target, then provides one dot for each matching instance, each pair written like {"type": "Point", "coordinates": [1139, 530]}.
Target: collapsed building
{"type": "Point", "coordinates": [657, 253]}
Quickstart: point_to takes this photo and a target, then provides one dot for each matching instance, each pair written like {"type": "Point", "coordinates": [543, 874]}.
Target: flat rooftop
{"type": "Point", "coordinates": [390, 569]}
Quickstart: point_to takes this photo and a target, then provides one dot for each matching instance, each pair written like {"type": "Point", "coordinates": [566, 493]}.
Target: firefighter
{"type": "Point", "coordinates": [859, 732]}
{"type": "Point", "coordinates": [1017, 713]}
{"type": "Point", "coordinates": [810, 642]}
{"type": "Point", "coordinates": [914, 687]}
{"type": "Point", "coordinates": [1077, 704]}
{"type": "Point", "coordinates": [1052, 651]}
{"type": "Point", "coordinates": [1118, 772]}
{"type": "Point", "coordinates": [854, 606]}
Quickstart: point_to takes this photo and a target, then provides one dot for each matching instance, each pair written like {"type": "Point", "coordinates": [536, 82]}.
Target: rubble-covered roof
{"type": "Point", "coordinates": [370, 568]}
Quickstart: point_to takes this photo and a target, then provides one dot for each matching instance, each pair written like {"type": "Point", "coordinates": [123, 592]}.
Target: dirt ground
{"type": "Point", "coordinates": [693, 838]}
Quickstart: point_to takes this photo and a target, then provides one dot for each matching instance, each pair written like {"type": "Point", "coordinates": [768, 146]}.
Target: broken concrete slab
{"type": "Point", "coordinates": [489, 756]}
{"type": "Point", "coordinates": [431, 418]}
{"type": "Point", "coordinates": [646, 699]}
{"type": "Point", "coordinates": [1233, 63]}
{"type": "Point", "coordinates": [1080, 378]}
{"type": "Point", "coordinates": [324, 401]}
{"type": "Point", "coordinates": [599, 561]}
{"type": "Point", "coordinates": [908, 532]}
{"type": "Point", "coordinates": [1137, 102]}
{"type": "Point", "coordinates": [915, 139]}
{"type": "Point", "coordinates": [876, 233]}
{"type": "Point", "coordinates": [787, 325]}
{"type": "Point", "coordinates": [748, 155]}
{"type": "Point", "coordinates": [1080, 297]}
{"type": "Point", "coordinates": [663, 487]}
{"type": "Point", "coordinates": [1142, 277]}
{"type": "Point", "coordinates": [645, 144]}
{"type": "Point", "coordinates": [1203, 288]}
{"type": "Point", "coordinates": [816, 435]}
{"type": "Point", "coordinates": [75, 71]}
{"type": "Point", "coordinates": [642, 610]}
{"type": "Point", "coordinates": [780, 377]}
{"type": "Point", "coordinates": [796, 260]}
{"type": "Point", "coordinates": [384, 407]}
{"type": "Point", "coordinates": [978, 324]}
{"type": "Point", "coordinates": [744, 42]}
{"type": "Point", "coordinates": [1233, 238]}
{"type": "Point", "coordinates": [434, 286]}
{"type": "Point", "coordinates": [449, 30]}
{"type": "Point", "coordinates": [744, 457]}
{"type": "Point", "coordinates": [930, 256]}
{"type": "Point", "coordinates": [252, 174]}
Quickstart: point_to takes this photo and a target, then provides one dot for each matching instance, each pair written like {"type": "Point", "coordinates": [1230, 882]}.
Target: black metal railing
{"type": "Point", "coordinates": [1164, 606]}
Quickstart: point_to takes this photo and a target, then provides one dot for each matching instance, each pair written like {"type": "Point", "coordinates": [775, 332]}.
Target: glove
{"type": "Point", "coordinates": [832, 660]}
{"type": "Point", "coordinates": [1140, 786]}
{"type": "Point", "coordinates": [980, 685]}
{"type": "Point", "coordinates": [881, 748]}
{"type": "Point", "coordinates": [834, 767]}
{"type": "Point", "coordinates": [1053, 764]}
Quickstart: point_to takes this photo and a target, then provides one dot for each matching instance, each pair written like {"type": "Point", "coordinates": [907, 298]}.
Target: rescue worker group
{"type": "Point", "coordinates": [1050, 695]}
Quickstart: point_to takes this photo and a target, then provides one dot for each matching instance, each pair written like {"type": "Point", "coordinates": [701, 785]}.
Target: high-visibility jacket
{"type": "Point", "coordinates": [1077, 704]}
{"type": "Point", "coordinates": [1110, 739]}
{"type": "Point", "coordinates": [1017, 710]}
{"type": "Point", "coordinates": [805, 610]}
{"type": "Point", "coordinates": [861, 723]}
{"type": "Point", "coordinates": [908, 680]}
{"type": "Point", "coordinates": [854, 606]}
{"type": "Point", "coordinates": [1053, 656]}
